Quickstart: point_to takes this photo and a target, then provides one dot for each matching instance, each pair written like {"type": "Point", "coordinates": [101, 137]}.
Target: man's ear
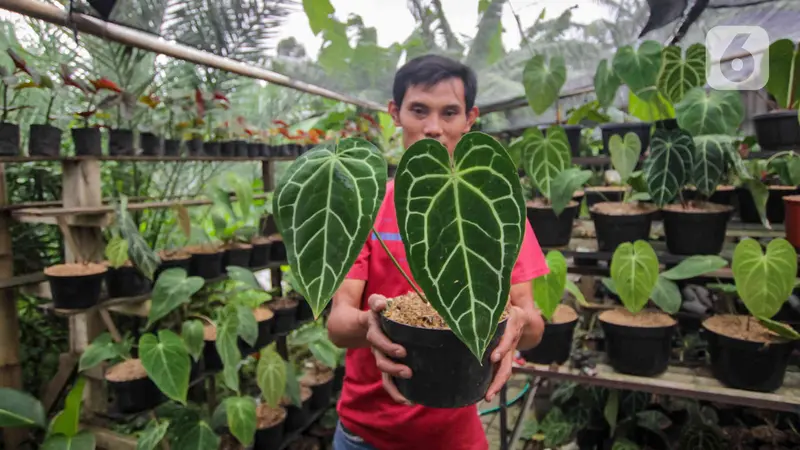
{"type": "Point", "coordinates": [472, 116]}
{"type": "Point", "coordinates": [394, 111]}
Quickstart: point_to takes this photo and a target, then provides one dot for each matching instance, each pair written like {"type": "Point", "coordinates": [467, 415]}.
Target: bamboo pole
{"type": "Point", "coordinates": [145, 41]}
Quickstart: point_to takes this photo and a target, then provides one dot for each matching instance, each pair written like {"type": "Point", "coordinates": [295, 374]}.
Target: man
{"type": "Point", "coordinates": [433, 97]}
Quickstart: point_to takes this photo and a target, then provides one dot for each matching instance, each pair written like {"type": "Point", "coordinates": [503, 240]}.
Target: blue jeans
{"type": "Point", "coordinates": [343, 440]}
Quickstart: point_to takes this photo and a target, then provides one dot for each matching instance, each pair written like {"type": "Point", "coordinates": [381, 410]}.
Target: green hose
{"type": "Point", "coordinates": [509, 403]}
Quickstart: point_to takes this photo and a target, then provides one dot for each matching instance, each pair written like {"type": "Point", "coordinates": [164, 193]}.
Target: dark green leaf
{"type": "Point", "coordinates": [666, 295]}
{"type": "Point", "coordinates": [563, 187]}
{"type": "Point", "coordinates": [680, 75]}
{"type": "Point", "coordinates": [81, 441]}
{"type": "Point", "coordinates": [718, 112]}
{"type": "Point", "coordinates": [666, 167]}
{"type": "Point", "coordinates": [102, 349]}
{"type": "Point", "coordinates": [172, 289]}
{"type": "Point", "coordinates": [192, 334]}
{"type": "Point", "coordinates": [227, 334]}
{"type": "Point", "coordinates": [606, 83]}
{"type": "Point", "coordinates": [20, 409]}
{"type": "Point", "coordinates": [545, 157]}
{"type": "Point", "coordinates": [152, 435]}
{"type": "Point", "coordinates": [611, 409]}
{"type": "Point", "coordinates": [543, 81]}
{"type": "Point", "coordinates": [710, 162]}
{"type": "Point", "coordinates": [199, 437]}
{"type": "Point", "coordinates": [292, 384]}
{"type": "Point", "coordinates": [243, 275]}
{"type": "Point", "coordinates": [639, 68]}
{"type": "Point", "coordinates": [241, 413]}
{"type": "Point", "coordinates": [325, 352]}
{"type": "Point", "coordinates": [167, 363]}
{"type": "Point", "coordinates": [783, 63]}
{"type": "Point", "coordinates": [248, 327]}
{"type": "Point", "coordinates": [557, 428]}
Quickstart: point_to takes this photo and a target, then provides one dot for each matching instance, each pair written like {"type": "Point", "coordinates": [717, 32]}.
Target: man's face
{"type": "Point", "coordinates": [437, 112]}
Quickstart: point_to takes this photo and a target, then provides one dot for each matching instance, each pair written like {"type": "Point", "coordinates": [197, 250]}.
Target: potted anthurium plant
{"type": "Point", "coordinates": [132, 263]}
{"type": "Point", "coordinates": [10, 86]}
{"type": "Point", "coordinates": [778, 129]}
{"type": "Point", "coordinates": [548, 164]}
{"type": "Point", "coordinates": [149, 141]}
{"type": "Point", "coordinates": [232, 221]}
{"type": "Point", "coordinates": [44, 139]}
{"type": "Point", "coordinates": [457, 320]}
{"type": "Point", "coordinates": [87, 138]}
{"type": "Point", "coordinates": [776, 178]}
{"type": "Point", "coordinates": [753, 354]}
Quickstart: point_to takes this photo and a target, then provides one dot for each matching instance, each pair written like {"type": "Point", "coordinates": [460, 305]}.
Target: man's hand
{"type": "Point", "coordinates": [382, 346]}
{"type": "Point", "coordinates": [503, 354]}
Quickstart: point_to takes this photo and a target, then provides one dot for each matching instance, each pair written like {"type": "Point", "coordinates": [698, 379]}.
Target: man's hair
{"type": "Point", "coordinates": [428, 70]}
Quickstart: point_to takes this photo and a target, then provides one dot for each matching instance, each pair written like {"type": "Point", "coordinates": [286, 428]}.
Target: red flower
{"type": "Point", "coordinates": [105, 83]}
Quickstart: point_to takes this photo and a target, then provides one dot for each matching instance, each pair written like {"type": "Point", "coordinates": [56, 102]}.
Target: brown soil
{"type": "Point", "coordinates": [606, 188]}
{"type": "Point", "coordinates": [128, 370]}
{"type": "Point", "coordinates": [698, 207]}
{"type": "Point", "coordinates": [263, 313]}
{"type": "Point", "coordinates": [721, 188]}
{"type": "Point", "coordinates": [283, 303]}
{"type": "Point", "coordinates": [261, 240]}
{"type": "Point", "coordinates": [75, 269]}
{"type": "Point", "coordinates": [209, 333]}
{"type": "Point", "coordinates": [644, 319]}
{"type": "Point", "coordinates": [541, 203]}
{"type": "Point", "coordinates": [411, 310]}
{"type": "Point", "coordinates": [174, 255]}
{"type": "Point", "coordinates": [737, 327]}
{"type": "Point", "coordinates": [564, 314]}
{"type": "Point", "coordinates": [237, 246]}
{"type": "Point", "coordinates": [782, 188]}
{"type": "Point", "coordinates": [578, 194]}
{"type": "Point", "coordinates": [316, 378]}
{"type": "Point", "coordinates": [305, 394]}
{"type": "Point", "coordinates": [623, 209]}
{"type": "Point", "coordinates": [268, 417]}
{"type": "Point", "coordinates": [276, 237]}
{"type": "Point", "coordinates": [206, 249]}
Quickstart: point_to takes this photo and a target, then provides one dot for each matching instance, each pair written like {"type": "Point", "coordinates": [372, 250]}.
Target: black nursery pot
{"type": "Point", "coordinates": [184, 264]}
{"type": "Point", "coordinates": [777, 130]}
{"type": "Point", "coordinates": [707, 234]}
{"type": "Point", "coordinates": [206, 265]}
{"type": "Point", "coordinates": [296, 417]}
{"type": "Point", "coordinates": [642, 130]}
{"type": "Point", "coordinates": [120, 142]}
{"type": "Point", "coordinates": [172, 147]}
{"type": "Point", "coordinates": [211, 148]}
{"type": "Point", "coordinates": [552, 230]}
{"type": "Point", "coordinates": [136, 395]}
{"type": "Point", "coordinates": [600, 195]}
{"type": "Point", "coordinates": [87, 141]}
{"type": "Point", "coordinates": [236, 257]}
{"type": "Point", "coordinates": [9, 139]}
{"type": "Point", "coordinates": [266, 150]}
{"type": "Point", "coordinates": [227, 149]}
{"type": "Point", "coordinates": [75, 292]}
{"type": "Point", "coordinates": [253, 149]}
{"type": "Point", "coordinates": [211, 359]}
{"type": "Point", "coordinates": [196, 146]}
{"type": "Point", "coordinates": [573, 136]}
{"type": "Point", "coordinates": [265, 333]}
{"type": "Point", "coordinates": [45, 140]}
{"type": "Point", "coordinates": [259, 255]}
{"type": "Point", "coordinates": [445, 373]}
{"type": "Point", "coordinates": [555, 346]}
{"type": "Point", "coordinates": [278, 252]}
{"type": "Point", "coordinates": [285, 319]}
{"type": "Point", "coordinates": [338, 378]}
{"type": "Point", "coordinates": [270, 438]}
{"type": "Point", "coordinates": [720, 196]}
{"type": "Point", "coordinates": [304, 311]}
{"type": "Point", "coordinates": [752, 366]}
{"type": "Point", "coordinates": [126, 281]}
{"type": "Point", "coordinates": [638, 350]}
{"type": "Point", "coordinates": [321, 395]}
{"type": "Point", "coordinates": [775, 206]}
{"type": "Point", "coordinates": [613, 230]}
{"type": "Point", "coordinates": [241, 149]}
{"type": "Point", "coordinates": [150, 144]}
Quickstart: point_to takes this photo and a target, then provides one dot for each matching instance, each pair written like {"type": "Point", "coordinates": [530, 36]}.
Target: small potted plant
{"type": "Point", "coordinates": [9, 81]}
{"type": "Point", "coordinates": [778, 129]}
{"type": "Point", "coordinates": [232, 221]}
{"type": "Point", "coordinates": [87, 139]}
{"type": "Point", "coordinates": [149, 141]}
{"type": "Point", "coordinates": [777, 177]}
{"type": "Point", "coordinates": [44, 138]}
{"type": "Point", "coordinates": [132, 264]}
{"type": "Point", "coordinates": [75, 285]}
{"type": "Point", "coordinates": [250, 296]}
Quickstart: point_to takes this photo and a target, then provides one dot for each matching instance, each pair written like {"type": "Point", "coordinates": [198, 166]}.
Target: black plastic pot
{"type": "Point", "coordinates": [136, 395]}
{"type": "Point", "coordinates": [75, 292]}
{"type": "Point", "coordinates": [573, 136]}
{"type": "Point", "coordinates": [642, 130]}
{"type": "Point", "coordinates": [259, 255]}
{"type": "Point", "coordinates": [211, 148]}
{"type": "Point", "coordinates": [304, 311]}
{"type": "Point", "coordinates": [778, 130]}
{"type": "Point", "coordinates": [555, 346]}
{"type": "Point", "coordinates": [228, 149]}
{"type": "Point", "coordinates": [266, 150]}
{"type": "Point", "coordinates": [206, 265]}
{"type": "Point", "coordinates": [241, 149]}
{"type": "Point", "coordinates": [126, 281]}
{"type": "Point", "coordinates": [278, 252]}
{"type": "Point", "coordinates": [297, 417]}
{"type": "Point", "coordinates": [638, 350]}
{"type": "Point", "coordinates": [236, 257]}
{"type": "Point", "coordinates": [552, 230]}
{"type": "Point", "coordinates": [266, 333]}
{"type": "Point", "coordinates": [211, 359]}
{"type": "Point", "coordinates": [695, 233]}
{"type": "Point", "coordinates": [720, 197]}
{"type": "Point", "coordinates": [595, 196]}
{"type": "Point", "coordinates": [612, 230]}
{"type": "Point", "coordinates": [44, 140]}
{"type": "Point", "coordinates": [445, 374]}
{"type": "Point", "coordinates": [667, 124]}
{"type": "Point", "coordinates": [253, 149]}
{"type": "Point", "coordinates": [87, 141]}
{"type": "Point", "coordinates": [285, 319]}
{"type": "Point", "coordinates": [196, 146]}
{"type": "Point", "coordinates": [775, 206]}
{"type": "Point", "coordinates": [270, 438]}
{"type": "Point", "coordinates": [9, 139]}
{"type": "Point", "coordinates": [172, 147]}
{"type": "Point", "coordinates": [184, 264]}
{"type": "Point", "coordinates": [120, 142]}
{"type": "Point", "coordinates": [321, 395]}
{"type": "Point", "coordinates": [338, 379]}
{"type": "Point", "coordinates": [150, 144]}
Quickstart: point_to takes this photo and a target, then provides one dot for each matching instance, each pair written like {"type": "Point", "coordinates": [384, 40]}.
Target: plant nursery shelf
{"type": "Point", "coordinates": [584, 228]}
{"type": "Point", "coordinates": [680, 382]}
{"type": "Point", "coordinates": [142, 158]}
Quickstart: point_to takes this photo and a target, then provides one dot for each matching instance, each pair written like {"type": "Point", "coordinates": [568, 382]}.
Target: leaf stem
{"type": "Point", "coordinates": [397, 264]}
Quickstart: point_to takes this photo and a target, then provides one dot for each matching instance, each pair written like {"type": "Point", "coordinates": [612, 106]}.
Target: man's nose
{"type": "Point", "coordinates": [432, 128]}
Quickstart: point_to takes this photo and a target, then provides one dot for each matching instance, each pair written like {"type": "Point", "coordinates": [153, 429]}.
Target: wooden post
{"type": "Point", "coordinates": [10, 368]}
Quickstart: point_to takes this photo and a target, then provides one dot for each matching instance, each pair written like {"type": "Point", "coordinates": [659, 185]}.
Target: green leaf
{"type": "Point", "coordinates": [241, 412]}
{"type": "Point", "coordinates": [639, 68]}
{"type": "Point", "coordinates": [549, 289]}
{"type": "Point", "coordinates": [199, 437]}
{"type": "Point", "coordinates": [462, 224]}
{"type": "Point", "coordinates": [271, 376]}
{"type": "Point", "coordinates": [248, 327]}
{"type": "Point", "coordinates": [784, 69]}
{"type": "Point", "coordinates": [192, 334]}
{"type": "Point", "coordinates": [244, 276]}
{"type": "Point", "coordinates": [625, 153]}
{"type": "Point", "coordinates": [82, 441]}
{"type": "Point", "coordinates": [117, 251]}
{"type": "Point", "coordinates": [780, 329]}
{"type": "Point", "coordinates": [325, 206]}
{"type": "Point", "coordinates": [679, 75]}
{"type": "Point", "coordinates": [573, 289]}
{"type": "Point", "coordinates": [611, 409]}
{"type": "Point", "coordinates": [226, 344]}
{"type": "Point", "coordinates": [606, 83]}
{"type": "Point", "coordinates": [695, 266]}
{"type": "Point", "coordinates": [665, 169]}
{"type": "Point", "coordinates": [325, 352]}
{"type": "Point", "coordinates": [545, 157]}
{"type": "Point", "coordinates": [564, 186]}
{"type": "Point", "coordinates": [152, 435]}
{"type": "Point", "coordinates": [634, 269]}
{"type": "Point", "coordinates": [543, 81]}
{"type": "Point", "coordinates": [557, 428]}
{"type": "Point", "coordinates": [102, 349]}
{"type": "Point", "coordinates": [20, 409]}
{"type": "Point", "coordinates": [172, 289]}
{"type": "Point", "coordinates": [292, 384]}
{"type": "Point", "coordinates": [760, 193]}
{"type": "Point", "coordinates": [67, 422]}
{"type": "Point", "coordinates": [624, 444]}
{"type": "Point", "coordinates": [657, 108]}
{"type": "Point", "coordinates": [318, 12]}
{"type": "Point", "coordinates": [764, 281]}
{"type": "Point", "coordinates": [667, 295]}
{"type": "Point", "coordinates": [710, 162]}
{"type": "Point", "coordinates": [167, 363]}
{"type": "Point", "coordinates": [718, 112]}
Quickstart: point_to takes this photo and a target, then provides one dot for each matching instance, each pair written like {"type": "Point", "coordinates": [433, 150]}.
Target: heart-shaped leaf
{"type": "Point", "coordinates": [325, 207]}
{"type": "Point", "coordinates": [563, 187]}
{"type": "Point", "coordinates": [710, 162]}
{"type": "Point", "coordinates": [634, 269]}
{"type": "Point", "coordinates": [467, 276]}
{"type": "Point", "coordinates": [718, 112]}
{"type": "Point", "coordinates": [665, 169]}
{"type": "Point", "coordinates": [20, 409]}
{"type": "Point", "coordinates": [248, 327]}
{"type": "Point", "coordinates": [167, 363]}
{"type": "Point", "coordinates": [606, 83]}
{"type": "Point", "coordinates": [152, 435]}
{"type": "Point", "coordinates": [656, 108]}
{"type": "Point", "coordinates": [173, 288]}
{"type": "Point", "coordinates": [241, 412]}
{"type": "Point", "coordinates": [271, 376]}
{"type": "Point", "coordinates": [764, 281]}
{"type": "Point", "coordinates": [783, 65]}
{"type": "Point", "coordinates": [82, 441]}
{"type": "Point", "coordinates": [192, 334]}
{"type": "Point", "coordinates": [325, 352]}
{"type": "Point", "coordinates": [549, 289]}
{"type": "Point", "coordinates": [545, 156]}
{"type": "Point", "coordinates": [117, 251]}
{"type": "Point", "coordinates": [679, 75]}
{"type": "Point", "coordinates": [199, 437]}
{"type": "Point", "coordinates": [666, 295]}
{"type": "Point", "coordinates": [244, 276]}
{"type": "Point", "coordinates": [103, 348]}
{"type": "Point", "coordinates": [543, 81]}
{"type": "Point", "coordinates": [625, 154]}
{"type": "Point", "coordinates": [639, 68]}
{"type": "Point", "coordinates": [695, 266]}
{"type": "Point", "coordinates": [226, 344]}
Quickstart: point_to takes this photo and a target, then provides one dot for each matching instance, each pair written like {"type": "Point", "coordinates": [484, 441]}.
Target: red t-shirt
{"type": "Point", "coordinates": [364, 406]}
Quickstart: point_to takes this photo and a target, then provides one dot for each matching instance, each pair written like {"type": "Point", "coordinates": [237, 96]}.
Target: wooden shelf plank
{"type": "Point", "coordinates": [680, 382]}
{"type": "Point", "coordinates": [141, 158]}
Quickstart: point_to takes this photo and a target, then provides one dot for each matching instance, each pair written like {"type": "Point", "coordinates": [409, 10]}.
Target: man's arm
{"type": "Point", "coordinates": [347, 323]}
{"type": "Point", "coordinates": [522, 296]}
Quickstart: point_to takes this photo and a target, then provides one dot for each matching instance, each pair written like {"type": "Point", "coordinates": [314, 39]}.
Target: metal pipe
{"type": "Point", "coordinates": [139, 39]}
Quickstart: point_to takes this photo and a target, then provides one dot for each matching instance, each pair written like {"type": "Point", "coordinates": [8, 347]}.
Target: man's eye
{"type": "Point", "coordinates": [417, 111]}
